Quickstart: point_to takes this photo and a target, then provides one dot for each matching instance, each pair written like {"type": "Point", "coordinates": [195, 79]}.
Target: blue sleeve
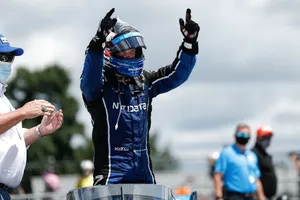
{"type": "Point", "coordinates": [221, 164]}
{"type": "Point", "coordinates": [92, 75]}
{"type": "Point", "coordinates": [172, 76]}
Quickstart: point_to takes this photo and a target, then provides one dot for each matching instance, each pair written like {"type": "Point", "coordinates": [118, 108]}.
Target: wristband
{"type": "Point", "coordinates": [190, 48]}
{"type": "Point", "coordinates": [37, 130]}
{"type": "Point", "coordinates": [219, 197]}
{"type": "Point", "coordinates": [187, 45]}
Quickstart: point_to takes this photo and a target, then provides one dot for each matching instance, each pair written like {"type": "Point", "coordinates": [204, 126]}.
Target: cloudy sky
{"type": "Point", "coordinates": [247, 69]}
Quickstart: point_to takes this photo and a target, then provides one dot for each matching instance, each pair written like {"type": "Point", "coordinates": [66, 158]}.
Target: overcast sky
{"type": "Point", "coordinates": [247, 69]}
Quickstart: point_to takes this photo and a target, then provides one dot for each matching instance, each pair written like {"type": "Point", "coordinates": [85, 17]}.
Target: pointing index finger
{"type": "Point", "coordinates": [109, 14]}
{"type": "Point", "coordinates": [188, 15]}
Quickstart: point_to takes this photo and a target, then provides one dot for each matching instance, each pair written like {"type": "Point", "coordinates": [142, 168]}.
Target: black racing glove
{"type": "Point", "coordinates": [104, 28]}
{"type": "Point", "coordinates": [190, 31]}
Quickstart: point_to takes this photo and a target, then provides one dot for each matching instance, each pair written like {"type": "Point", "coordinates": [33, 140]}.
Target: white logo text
{"type": "Point", "coordinates": [130, 108]}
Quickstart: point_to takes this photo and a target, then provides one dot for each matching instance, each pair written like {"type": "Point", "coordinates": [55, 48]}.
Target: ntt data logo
{"type": "Point", "coordinates": [129, 108]}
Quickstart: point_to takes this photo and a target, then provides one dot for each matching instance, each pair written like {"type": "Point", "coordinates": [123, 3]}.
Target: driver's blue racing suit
{"type": "Point", "coordinates": [121, 116]}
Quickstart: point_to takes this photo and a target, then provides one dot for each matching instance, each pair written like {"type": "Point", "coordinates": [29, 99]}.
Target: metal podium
{"type": "Point", "coordinates": [122, 192]}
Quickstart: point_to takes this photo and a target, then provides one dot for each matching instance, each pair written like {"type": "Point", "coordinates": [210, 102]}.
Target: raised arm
{"type": "Point", "coordinates": [92, 75]}
{"type": "Point", "coordinates": [173, 75]}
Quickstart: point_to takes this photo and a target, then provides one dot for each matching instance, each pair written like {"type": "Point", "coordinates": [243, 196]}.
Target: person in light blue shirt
{"type": "Point", "coordinates": [237, 170]}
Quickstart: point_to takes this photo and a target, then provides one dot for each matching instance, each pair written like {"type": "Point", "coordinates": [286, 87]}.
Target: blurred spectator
{"type": "Point", "coordinates": [52, 182]}
{"type": "Point", "coordinates": [295, 158]}
{"type": "Point", "coordinates": [268, 176]}
{"type": "Point", "coordinates": [86, 178]}
{"type": "Point", "coordinates": [236, 170]}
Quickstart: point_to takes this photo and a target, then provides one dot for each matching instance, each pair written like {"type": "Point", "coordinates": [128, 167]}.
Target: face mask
{"type": "Point", "coordinates": [242, 140]}
{"type": "Point", "coordinates": [265, 142]}
{"type": "Point", "coordinates": [5, 71]}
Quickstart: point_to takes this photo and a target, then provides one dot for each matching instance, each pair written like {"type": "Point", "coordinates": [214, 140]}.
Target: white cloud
{"type": "Point", "coordinates": [43, 47]}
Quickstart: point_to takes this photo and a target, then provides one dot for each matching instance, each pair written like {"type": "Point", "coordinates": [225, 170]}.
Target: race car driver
{"type": "Point", "coordinates": [118, 92]}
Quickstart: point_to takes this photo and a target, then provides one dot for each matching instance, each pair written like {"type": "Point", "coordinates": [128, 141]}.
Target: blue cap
{"type": "Point", "coordinates": [6, 48]}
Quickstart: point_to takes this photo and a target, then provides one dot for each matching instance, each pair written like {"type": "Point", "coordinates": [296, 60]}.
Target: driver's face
{"type": "Point", "coordinates": [127, 54]}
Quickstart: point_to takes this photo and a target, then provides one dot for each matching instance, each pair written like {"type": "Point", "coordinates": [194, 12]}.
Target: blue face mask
{"type": "Point", "coordinates": [5, 71]}
{"type": "Point", "coordinates": [126, 67]}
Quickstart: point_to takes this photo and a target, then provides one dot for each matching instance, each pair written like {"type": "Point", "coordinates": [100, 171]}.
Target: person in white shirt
{"type": "Point", "coordinates": [14, 139]}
